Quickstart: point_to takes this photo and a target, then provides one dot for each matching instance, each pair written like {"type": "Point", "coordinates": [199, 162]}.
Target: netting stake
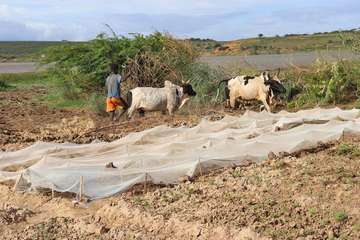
{"type": "Point", "coordinates": [52, 192]}
{"type": "Point", "coordinates": [81, 188]}
{"type": "Point", "coordinates": [200, 168]}
{"type": "Point", "coordinates": [145, 183]}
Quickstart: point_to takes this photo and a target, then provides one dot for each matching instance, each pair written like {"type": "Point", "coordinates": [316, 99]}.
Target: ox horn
{"type": "Point", "coordinates": [278, 72]}
{"type": "Point", "coordinates": [185, 82]}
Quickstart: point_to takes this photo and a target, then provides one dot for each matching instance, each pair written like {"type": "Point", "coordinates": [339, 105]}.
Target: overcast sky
{"type": "Point", "coordinates": [217, 19]}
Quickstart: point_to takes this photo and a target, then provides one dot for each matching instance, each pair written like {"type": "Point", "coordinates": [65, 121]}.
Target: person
{"type": "Point", "coordinates": [114, 102]}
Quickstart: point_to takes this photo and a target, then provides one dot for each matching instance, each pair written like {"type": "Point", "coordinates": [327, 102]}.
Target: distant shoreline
{"type": "Point", "coordinates": [273, 61]}
{"type": "Point", "coordinates": [260, 62]}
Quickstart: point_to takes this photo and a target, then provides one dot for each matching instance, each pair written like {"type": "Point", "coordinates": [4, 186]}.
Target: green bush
{"type": "Point", "coordinates": [94, 57]}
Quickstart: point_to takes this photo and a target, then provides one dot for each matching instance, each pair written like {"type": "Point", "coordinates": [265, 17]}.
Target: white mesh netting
{"type": "Point", "coordinates": [165, 154]}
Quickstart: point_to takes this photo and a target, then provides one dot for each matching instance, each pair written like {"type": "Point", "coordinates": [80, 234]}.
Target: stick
{"type": "Point", "coordinates": [17, 182]}
{"type": "Point", "coordinates": [104, 128]}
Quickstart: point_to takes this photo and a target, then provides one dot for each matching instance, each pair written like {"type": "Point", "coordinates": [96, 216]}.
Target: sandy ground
{"type": "Point", "coordinates": [23, 122]}
{"type": "Point", "coordinates": [308, 196]}
{"type": "Point", "coordinates": [19, 67]}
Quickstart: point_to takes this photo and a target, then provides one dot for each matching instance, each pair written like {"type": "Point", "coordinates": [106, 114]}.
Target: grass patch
{"type": "Point", "coordinates": [237, 173]}
{"type": "Point", "coordinates": [57, 94]}
{"type": "Point", "coordinates": [312, 212]}
{"type": "Point", "coordinates": [55, 99]}
{"type": "Point", "coordinates": [23, 80]}
{"type": "Point", "coordinates": [341, 216]}
{"type": "Point", "coordinates": [356, 227]}
{"type": "Point", "coordinates": [4, 85]}
{"type": "Point", "coordinates": [97, 104]}
{"type": "Point", "coordinates": [346, 149]}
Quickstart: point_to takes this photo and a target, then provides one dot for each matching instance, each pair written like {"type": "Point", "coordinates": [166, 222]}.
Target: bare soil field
{"type": "Point", "coordinates": [307, 196]}
{"type": "Point", "coordinates": [23, 122]}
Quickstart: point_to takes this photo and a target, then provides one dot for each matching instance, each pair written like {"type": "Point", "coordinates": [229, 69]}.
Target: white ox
{"type": "Point", "coordinates": [171, 97]}
{"type": "Point", "coordinates": [262, 88]}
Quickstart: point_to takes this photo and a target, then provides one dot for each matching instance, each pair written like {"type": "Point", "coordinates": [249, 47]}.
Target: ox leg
{"type": "Point", "coordinates": [263, 100]}
{"type": "Point", "coordinates": [130, 112]}
{"type": "Point", "coordinates": [112, 115]}
{"type": "Point", "coordinates": [171, 111]}
{"type": "Point", "coordinates": [227, 97]}
{"type": "Point", "coordinates": [141, 112]}
{"type": "Point", "coordinates": [232, 102]}
{"type": "Point", "coordinates": [119, 113]}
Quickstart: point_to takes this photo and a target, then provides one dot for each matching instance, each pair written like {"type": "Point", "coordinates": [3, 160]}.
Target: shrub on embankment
{"type": "Point", "coordinates": [147, 61]}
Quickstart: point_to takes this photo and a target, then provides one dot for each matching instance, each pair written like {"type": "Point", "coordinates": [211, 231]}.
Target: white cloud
{"type": "Point", "coordinates": [7, 12]}
{"type": "Point", "coordinates": [81, 19]}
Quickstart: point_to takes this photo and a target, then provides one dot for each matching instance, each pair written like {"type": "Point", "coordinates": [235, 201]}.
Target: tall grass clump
{"type": "Point", "coordinates": [324, 83]}
{"type": "Point", "coordinates": [4, 85]}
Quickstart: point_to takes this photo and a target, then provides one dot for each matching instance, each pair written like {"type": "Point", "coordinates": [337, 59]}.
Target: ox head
{"type": "Point", "coordinates": [187, 89]}
{"type": "Point", "coordinates": [274, 82]}
{"type": "Point", "coordinates": [187, 92]}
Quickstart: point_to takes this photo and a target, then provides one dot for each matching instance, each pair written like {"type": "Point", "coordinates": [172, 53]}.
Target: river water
{"type": "Point", "coordinates": [260, 62]}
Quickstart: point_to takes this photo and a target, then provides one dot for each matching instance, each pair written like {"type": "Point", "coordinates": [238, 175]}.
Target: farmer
{"type": "Point", "coordinates": [114, 102]}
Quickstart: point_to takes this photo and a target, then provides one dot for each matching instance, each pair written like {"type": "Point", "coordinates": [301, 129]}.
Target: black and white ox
{"type": "Point", "coordinates": [169, 98]}
{"type": "Point", "coordinates": [263, 88]}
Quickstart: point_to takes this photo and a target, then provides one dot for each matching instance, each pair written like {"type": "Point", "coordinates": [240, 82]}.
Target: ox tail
{"type": "Point", "coordinates": [129, 98]}
{"type": "Point", "coordinates": [225, 81]}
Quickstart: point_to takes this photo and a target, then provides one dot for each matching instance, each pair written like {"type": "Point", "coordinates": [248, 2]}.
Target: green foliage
{"type": "Point", "coordinates": [205, 82]}
{"type": "Point", "coordinates": [94, 57]}
{"type": "Point", "coordinates": [324, 83]}
{"type": "Point", "coordinates": [351, 41]}
{"type": "Point", "coordinates": [97, 104]}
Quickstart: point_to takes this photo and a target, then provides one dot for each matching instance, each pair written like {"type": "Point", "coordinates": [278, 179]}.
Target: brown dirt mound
{"type": "Point", "coordinates": [12, 215]}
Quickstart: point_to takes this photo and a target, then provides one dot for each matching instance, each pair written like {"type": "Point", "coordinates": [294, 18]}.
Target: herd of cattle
{"type": "Point", "coordinates": [172, 97]}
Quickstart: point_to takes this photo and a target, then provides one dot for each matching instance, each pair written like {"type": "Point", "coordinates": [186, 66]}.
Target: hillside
{"type": "Point", "coordinates": [24, 51]}
{"type": "Point", "coordinates": [31, 50]}
{"type": "Point", "coordinates": [276, 45]}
